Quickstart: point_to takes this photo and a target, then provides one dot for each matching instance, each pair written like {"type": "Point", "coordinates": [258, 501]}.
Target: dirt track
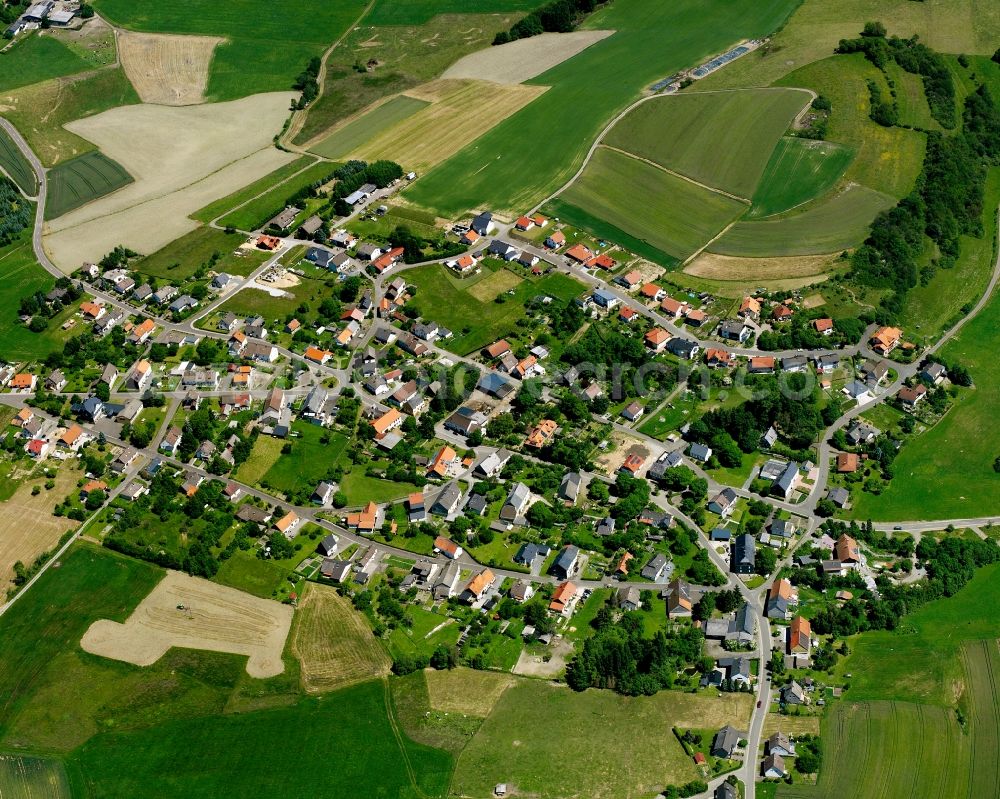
{"type": "Point", "coordinates": [214, 617]}
{"type": "Point", "coordinates": [167, 70]}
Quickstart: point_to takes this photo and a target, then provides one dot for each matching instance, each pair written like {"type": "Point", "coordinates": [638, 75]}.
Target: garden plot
{"type": "Point", "coordinates": [193, 613]}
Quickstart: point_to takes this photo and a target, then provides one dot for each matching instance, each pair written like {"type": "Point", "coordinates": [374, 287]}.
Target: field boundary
{"type": "Point", "coordinates": [680, 175]}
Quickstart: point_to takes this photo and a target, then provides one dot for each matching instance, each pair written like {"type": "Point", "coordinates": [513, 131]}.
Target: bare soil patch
{"type": "Point", "coordinates": [620, 447]}
{"type": "Point", "coordinates": [813, 301]}
{"type": "Point", "coordinates": [27, 526]}
{"type": "Point", "coordinates": [182, 158]}
{"type": "Point", "coordinates": [524, 59]}
{"type": "Point", "coordinates": [460, 111]}
{"type": "Point", "coordinates": [473, 693]}
{"type": "Point", "coordinates": [167, 70]}
{"type": "Point", "coordinates": [559, 653]}
{"type": "Point", "coordinates": [334, 643]}
{"type": "Point", "coordinates": [725, 267]}
{"type": "Point", "coordinates": [194, 613]}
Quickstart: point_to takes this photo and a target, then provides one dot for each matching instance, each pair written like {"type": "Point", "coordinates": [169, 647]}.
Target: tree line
{"type": "Point", "coordinates": [560, 16]}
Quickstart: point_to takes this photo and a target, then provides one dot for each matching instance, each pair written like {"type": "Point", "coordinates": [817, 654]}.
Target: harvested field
{"type": "Point", "coordinates": [521, 60]}
{"type": "Point", "coordinates": [334, 643]}
{"type": "Point", "coordinates": [492, 286]}
{"type": "Point", "coordinates": [181, 159]}
{"type": "Point", "coordinates": [466, 691]}
{"type": "Point", "coordinates": [725, 267]}
{"type": "Point", "coordinates": [28, 526]}
{"type": "Point", "coordinates": [213, 617]}
{"type": "Point", "coordinates": [167, 70]}
{"type": "Point", "coordinates": [465, 109]}
{"type": "Point", "coordinates": [355, 132]}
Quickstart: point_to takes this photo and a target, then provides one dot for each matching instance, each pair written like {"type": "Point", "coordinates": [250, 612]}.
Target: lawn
{"type": "Point", "coordinates": [180, 259]}
{"type": "Point", "coordinates": [78, 181]}
{"type": "Point", "coordinates": [348, 138]}
{"type": "Point", "coordinates": [202, 761]}
{"type": "Point", "coordinates": [722, 140]}
{"type": "Point", "coordinates": [217, 208]}
{"type": "Point", "coordinates": [418, 639]}
{"type": "Point", "coordinates": [360, 488]}
{"type": "Point", "coordinates": [799, 170]}
{"type": "Point", "coordinates": [263, 52]}
{"type": "Point", "coordinates": [13, 162]}
{"type": "Point", "coordinates": [265, 453]}
{"type": "Point", "coordinates": [450, 302]}
{"type": "Point", "coordinates": [257, 212]}
{"type": "Point", "coordinates": [309, 461]}
{"type": "Point", "coordinates": [552, 742]}
{"type": "Point", "coordinates": [244, 570]}
{"type": "Point", "coordinates": [251, 301]}
{"type": "Point", "coordinates": [39, 111]}
{"type": "Point", "coordinates": [36, 58]}
{"type": "Point", "coordinates": [534, 152]}
{"type": "Point", "coordinates": [668, 212]}
{"type": "Point", "coordinates": [829, 225]}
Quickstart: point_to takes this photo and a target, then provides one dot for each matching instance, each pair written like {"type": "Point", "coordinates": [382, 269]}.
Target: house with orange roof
{"type": "Point", "coordinates": [673, 308]}
{"type": "Point", "coordinates": [782, 313]}
{"type": "Point", "coordinates": [555, 240]}
{"type": "Point", "coordinates": [141, 332]}
{"type": "Point", "coordinates": [316, 355]}
{"type": "Point", "coordinates": [652, 292]}
{"type": "Point", "coordinates": [23, 381]}
{"type": "Point", "coordinates": [621, 567]}
{"type": "Point", "coordinates": [563, 598]}
{"type": "Point", "coordinates": [847, 462]}
{"type": "Point", "coordinates": [630, 279]}
{"type": "Point", "coordinates": [656, 339]}
{"type": "Point", "coordinates": [344, 336]}
{"type": "Point", "coordinates": [632, 465]}
{"type": "Point", "coordinates": [23, 416]}
{"type": "Point", "coordinates": [470, 237]}
{"type": "Point", "coordinates": [286, 524]}
{"type": "Point", "coordinates": [524, 223]}
{"type": "Point", "coordinates": [447, 547]}
{"type": "Point", "coordinates": [365, 520]}
{"type": "Point", "coordinates": [541, 434]}
{"type": "Point", "coordinates": [749, 308]}
{"type": "Point", "coordinates": [478, 587]}
{"type": "Point", "coordinates": [528, 367]}
{"type": "Point", "coordinates": [717, 358]}
{"type": "Point", "coordinates": [578, 253]}
{"type": "Point", "coordinates": [823, 326]}
{"type": "Point", "coordinates": [142, 374]}
{"type": "Point", "coordinates": [696, 317]}
{"type": "Point", "coordinates": [387, 422]}
{"type": "Point", "coordinates": [71, 438]}
{"type": "Point", "coordinates": [539, 220]}
{"type": "Point", "coordinates": [603, 261]}
{"type": "Point", "coordinates": [799, 636]}
{"type": "Point", "coordinates": [443, 460]}
{"type": "Point", "coordinates": [92, 310]}
{"type": "Point", "coordinates": [886, 339]}
{"type": "Point", "coordinates": [265, 242]}
{"type": "Point", "coordinates": [498, 348]}
{"type": "Point", "coordinates": [463, 263]}
{"type": "Point", "coordinates": [92, 485]}
{"type": "Point", "coordinates": [627, 314]}
{"type": "Point", "coordinates": [761, 365]}
{"type": "Point", "coordinates": [780, 597]}
{"type": "Point", "coordinates": [846, 550]}
{"type": "Point", "coordinates": [388, 260]}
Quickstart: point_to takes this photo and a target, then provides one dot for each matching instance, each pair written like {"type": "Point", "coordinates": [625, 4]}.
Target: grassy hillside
{"type": "Point", "coordinates": [799, 170]}
{"type": "Point", "coordinates": [539, 148]}
{"type": "Point", "coordinates": [35, 58]}
{"type": "Point", "coordinates": [723, 140]}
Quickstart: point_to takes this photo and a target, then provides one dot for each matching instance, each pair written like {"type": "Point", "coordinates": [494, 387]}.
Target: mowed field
{"type": "Point", "coordinates": [348, 137]}
{"type": "Point", "coordinates": [169, 70]}
{"type": "Point", "coordinates": [465, 109]}
{"type": "Point", "coordinates": [82, 179]}
{"type": "Point", "coordinates": [889, 750]}
{"type": "Point", "coordinates": [799, 170]}
{"type": "Point", "coordinates": [547, 742]}
{"type": "Point", "coordinates": [450, 302]}
{"type": "Point", "coordinates": [260, 209]}
{"type": "Point", "coordinates": [262, 53]}
{"type": "Point", "coordinates": [721, 139]}
{"type": "Point", "coordinates": [333, 642]}
{"type": "Point", "coordinates": [668, 212]}
{"type": "Point", "coordinates": [534, 152]}
{"type": "Point", "coordinates": [13, 162]}
{"type": "Point", "coordinates": [35, 58]}
{"type": "Point", "coordinates": [32, 778]}
{"type": "Point", "coordinates": [829, 225]}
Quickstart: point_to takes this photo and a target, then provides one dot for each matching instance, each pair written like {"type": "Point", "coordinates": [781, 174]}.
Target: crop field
{"type": "Point", "coordinates": [982, 667]}
{"type": "Point", "coordinates": [259, 210]}
{"type": "Point", "coordinates": [334, 643]}
{"type": "Point", "coordinates": [721, 139]}
{"type": "Point", "coordinates": [169, 70]}
{"type": "Point", "coordinates": [32, 778]}
{"type": "Point", "coordinates": [726, 268]}
{"type": "Point", "coordinates": [180, 259]}
{"type": "Point", "coordinates": [886, 159]}
{"type": "Point", "coordinates": [466, 109]}
{"type": "Point", "coordinates": [13, 162]}
{"type": "Point", "coordinates": [830, 225]}
{"type": "Point", "coordinates": [219, 207]}
{"type": "Point", "coordinates": [39, 111]}
{"type": "Point", "coordinates": [202, 760]}
{"type": "Point", "coordinates": [28, 524]}
{"type": "Point", "coordinates": [356, 132]}
{"type": "Point", "coordinates": [37, 58]}
{"type": "Point", "coordinates": [262, 53]}
{"type": "Point", "coordinates": [185, 611]}
{"type": "Point", "coordinates": [476, 323]}
{"type": "Point", "coordinates": [888, 750]}
{"type": "Point", "coordinates": [799, 170]}
{"type": "Point", "coordinates": [814, 29]}
{"type": "Point", "coordinates": [543, 739]}
{"type": "Point", "coordinates": [670, 213]}
{"type": "Point", "coordinates": [82, 179]}
{"type": "Point", "coordinates": [534, 152]}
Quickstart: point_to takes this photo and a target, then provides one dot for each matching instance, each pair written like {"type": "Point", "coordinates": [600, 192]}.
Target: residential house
{"type": "Point", "coordinates": [656, 339]}
{"type": "Point", "coordinates": [780, 744]}
{"type": "Point", "coordinates": [787, 481]}
{"type": "Point", "coordinates": [367, 520]}
{"type": "Point", "coordinates": [141, 332]}
{"type": "Point", "coordinates": [522, 591]}
{"type": "Point", "coordinates": [567, 564]}
{"type": "Point", "coordinates": [860, 433]}
{"type": "Point", "coordinates": [541, 434]}
{"type": "Point", "coordinates": [780, 597]}
{"type": "Point", "coordinates": [656, 569]}
{"type": "Point", "coordinates": [555, 240]}
{"type": "Point", "coordinates": [628, 597]}
{"type": "Point", "coordinates": [444, 462]}
{"type": "Point", "coordinates": [846, 550]}
{"type": "Point", "coordinates": [444, 586]}
{"type": "Point", "coordinates": [735, 330]}
{"type": "Point", "coordinates": [517, 503]}
{"type": "Point", "coordinates": [448, 500]}
{"type": "Point", "coordinates": [605, 299]}
{"type": "Point", "coordinates": [683, 348]}
{"type": "Point", "coordinates": [749, 308]}
{"type": "Point", "coordinates": [792, 694]}
{"type": "Point", "coordinates": [563, 598]}
{"type": "Point", "coordinates": [673, 309]}
{"type": "Point", "coordinates": [492, 464]}
{"type": "Point", "coordinates": [839, 496]}
{"type": "Point", "coordinates": [569, 487]}
{"type": "Point", "coordinates": [700, 452]}
{"type": "Point", "coordinates": [483, 223]}
{"type": "Point", "coordinates": [799, 636]}
{"type": "Point", "coordinates": [723, 503]}
{"type": "Point", "coordinates": [886, 339]}
{"type": "Point", "coordinates": [823, 326]}
{"type": "Point", "coordinates": [287, 524]}
{"type": "Point", "coordinates": [465, 421]}
{"type": "Point", "coordinates": [726, 742]}
{"type": "Point", "coordinates": [387, 422]}
{"type": "Point", "coordinates": [323, 494]}
{"type": "Point", "coordinates": [678, 599]}
{"type": "Point", "coordinates": [478, 587]}
{"type": "Point", "coordinates": [794, 364]}
{"type": "Point", "coordinates": [532, 555]}
{"type": "Point", "coordinates": [773, 767]}
{"type": "Point", "coordinates": [909, 397]}
{"type": "Point", "coordinates": [744, 550]}
{"type": "Point", "coordinates": [874, 371]}
{"type": "Point", "coordinates": [55, 381]}
{"type": "Point", "coordinates": [761, 365]}
{"type": "Point", "coordinates": [171, 441]}
{"type": "Point", "coordinates": [447, 547]}
{"type": "Point", "coordinates": [716, 358]}
{"type": "Point", "coordinates": [933, 373]}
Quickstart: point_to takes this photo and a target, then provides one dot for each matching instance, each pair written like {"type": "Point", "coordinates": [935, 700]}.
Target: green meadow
{"type": "Point", "coordinates": [36, 58]}
{"type": "Point", "coordinates": [538, 149]}
{"type": "Point", "coordinates": [180, 259]}
{"type": "Point", "coordinates": [13, 162]}
{"type": "Point", "coordinates": [799, 170]}
{"type": "Point", "coordinates": [217, 208]}
{"type": "Point", "coordinates": [723, 140]}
